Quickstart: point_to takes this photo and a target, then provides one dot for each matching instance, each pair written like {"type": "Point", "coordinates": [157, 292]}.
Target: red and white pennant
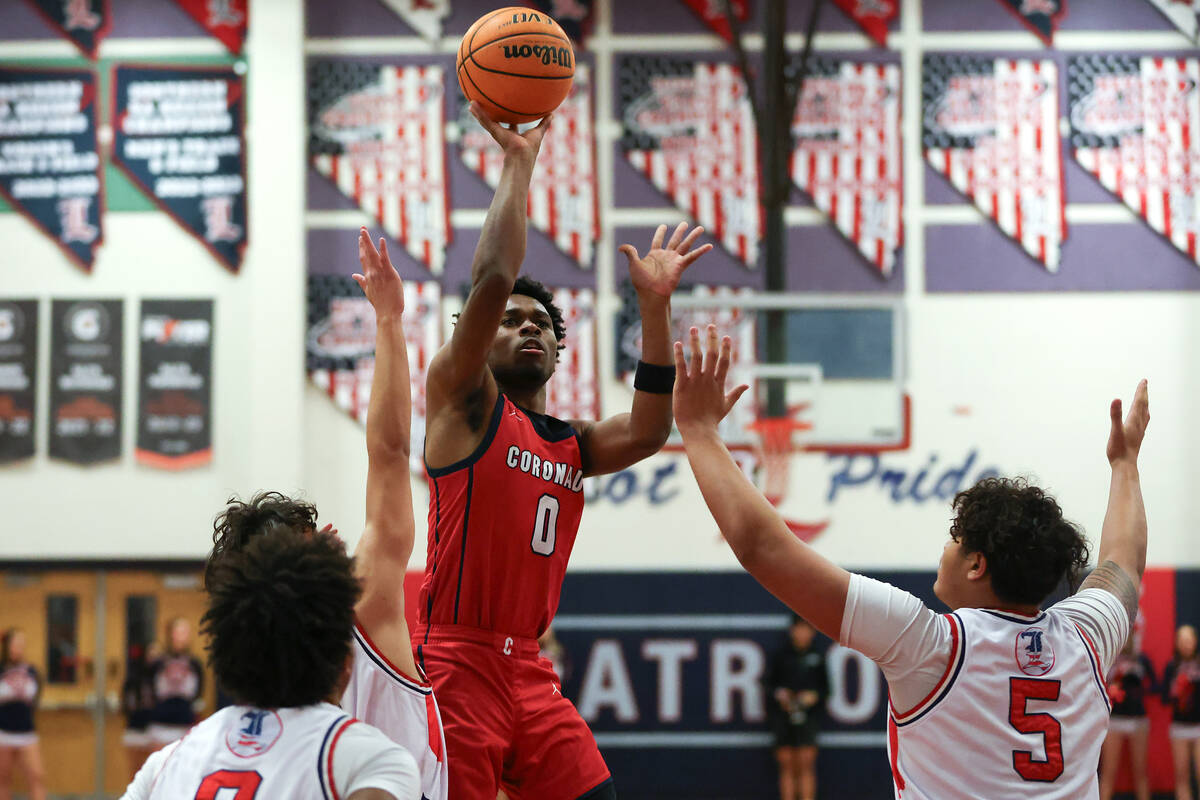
{"type": "Point", "coordinates": [574, 390]}
{"type": "Point", "coordinates": [562, 193]}
{"type": "Point", "coordinates": [848, 155]}
{"type": "Point", "coordinates": [392, 159]}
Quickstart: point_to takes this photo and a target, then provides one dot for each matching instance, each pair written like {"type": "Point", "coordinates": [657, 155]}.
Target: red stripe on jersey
{"type": "Point", "coordinates": [435, 726]}
{"type": "Point", "coordinates": [894, 752]}
{"type": "Point", "coordinates": [376, 651]}
{"type": "Point", "coordinates": [950, 665]}
{"type": "Point", "coordinates": [329, 757]}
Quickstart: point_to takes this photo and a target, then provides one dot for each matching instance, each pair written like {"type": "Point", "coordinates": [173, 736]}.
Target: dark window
{"type": "Point", "coordinates": [62, 640]}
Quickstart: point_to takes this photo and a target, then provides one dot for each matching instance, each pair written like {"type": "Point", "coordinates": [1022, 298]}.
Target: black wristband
{"type": "Point", "coordinates": [654, 378]}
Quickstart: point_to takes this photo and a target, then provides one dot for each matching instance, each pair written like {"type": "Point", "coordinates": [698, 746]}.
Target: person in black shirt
{"type": "Point", "coordinates": [19, 690]}
{"type": "Point", "coordinates": [178, 681]}
{"type": "Point", "coordinates": [798, 687]}
{"type": "Point", "coordinates": [1130, 680]}
{"type": "Point", "coordinates": [137, 704]}
{"type": "Point", "coordinates": [1181, 691]}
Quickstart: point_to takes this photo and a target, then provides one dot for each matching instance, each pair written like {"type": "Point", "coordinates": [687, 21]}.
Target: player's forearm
{"type": "Point", "coordinates": [1123, 537]}
{"type": "Point", "coordinates": [746, 519]}
{"type": "Point", "coordinates": [650, 416]}
{"type": "Point", "coordinates": [389, 413]}
{"type": "Point", "coordinates": [501, 248]}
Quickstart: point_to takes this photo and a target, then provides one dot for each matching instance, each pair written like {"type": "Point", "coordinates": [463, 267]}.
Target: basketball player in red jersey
{"type": "Point", "coordinates": [506, 495]}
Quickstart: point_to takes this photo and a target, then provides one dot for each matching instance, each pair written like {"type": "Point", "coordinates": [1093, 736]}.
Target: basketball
{"type": "Point", "coordinates": [516, 63]}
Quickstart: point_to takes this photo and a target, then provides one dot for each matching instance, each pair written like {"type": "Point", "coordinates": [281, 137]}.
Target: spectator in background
{"type": "Point", "coordinates": [798, 684]}
{"type": "Point", "coordinates": [178, 681]}
{"type": "Point", "coordinates": [1181, 690]}
{"type": "Point", "coordinates": [19, 690]}
{"type": "Point", "coordinates": [1130, 681]}
{"type": "Point", "coordinates": [137, 704]}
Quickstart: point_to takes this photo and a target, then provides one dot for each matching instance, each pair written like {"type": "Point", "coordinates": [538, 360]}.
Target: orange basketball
{"type": "Point", "coordinates": [516, 63]}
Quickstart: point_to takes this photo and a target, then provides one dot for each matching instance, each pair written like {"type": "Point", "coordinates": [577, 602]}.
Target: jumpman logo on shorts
{"type": "Point", "coordinates": [555, 690]}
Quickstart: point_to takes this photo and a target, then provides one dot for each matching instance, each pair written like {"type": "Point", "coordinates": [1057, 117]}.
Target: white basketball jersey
{"type": "Point", "coordinates": [1020, 712]}
{"type": "Point", "coordinates": [250, 752]}
{"type": "Point", "coordinates": [403, 708]}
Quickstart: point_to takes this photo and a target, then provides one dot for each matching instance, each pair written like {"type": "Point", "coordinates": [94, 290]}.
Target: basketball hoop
{"type": "Point", "coordinates": [775, 445]}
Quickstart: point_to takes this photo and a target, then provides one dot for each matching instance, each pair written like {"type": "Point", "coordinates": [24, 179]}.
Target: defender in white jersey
{"type": "Point", "coordinates": [317, 752]}
{"type": "Point", "coordinates": [279, 619]}
{"type": "Point", "coordinates": [997, 699]}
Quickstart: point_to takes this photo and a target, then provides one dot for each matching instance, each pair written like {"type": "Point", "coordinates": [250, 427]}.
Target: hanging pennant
{"type": "Point", "coordinates": [49, 164]}
{"type": "Point", "coordinates": [340, 344]}
{"type": "Point", "coordinates": [84, 22]}
{"type": "Point", "coordinates": [85, 380]}
{"type": "Point", "coordinates": [179, 134]}
{"type": "Point", "coordinates": [18, 378]}
{"type": "Point", "coordinates": [1185, 14]}
{"type": "Point", "coordinates": [1132, 126]}
{"type": "Point", "coordinates": [713, 14]}
{"type": "Point", "coordinates": [873, 16]}
{"type": "Point", "coordinates": [573, 16]}
{"type": "Point", "coordinates": [991, 128]}
{"type": "Point", "coordinates": [689, 129]}
{"type": "Point", "coordinates": [847, 154]}
{"type": "Point", "coordinates": [423, 16]}
{"type": "Point", "coordinates": [562, 192]}
{"type": "Point", "coordinates": [175, 384]}
{"type": "Point", "coordinates": [377, 132]}
{"type": "Point", "coordinates": [1040, 16]}
{"type": "Point", "coordinates": [573, 391]}
{"type": "Point", "coordinates": [224, 19]}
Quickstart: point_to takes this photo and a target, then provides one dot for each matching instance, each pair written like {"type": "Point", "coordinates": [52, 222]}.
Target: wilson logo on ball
{"type": "Point", "coordinates": [560, 56]}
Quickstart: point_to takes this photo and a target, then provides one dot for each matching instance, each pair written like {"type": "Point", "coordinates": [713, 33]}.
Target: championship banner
{"type": "Point", "coordinates": [179, 134]}
{"type": "Point", "coordinates": [377, 132]}
{"type": "Point", "coordinates": [84, 22]}
{"type": "Point", "coordinates": [1185, 14]}
{"type": "Point", "coordinates": [713, 14]}
{"type": "Point", "coordinates": [85, 380]}
{"type": "Point", "coordinates": [18, 378]}
{"type": "Point", "coordinates": [847, 154]}
{"type": "Point", "coordinates": [991, 127]}
{"type": "Point", "coordinates": [175, 384]}
{"type": "Point", "coordinates": [1040, 16]}
{"type": "Point", "coordinates": [562, 192]}
{"type": "Point", "coordinates": [224, 19]}
{"type": "Point", "coordinates": [340, 344]}
{"type": "Point", "coordinates": [730, 319]}
{"type": "Point", "coordinates": [49, 164]}
{"type": "Point", "coordinates": [423, 16]}
{"type": "Point", "coordinates": [689, 128]}
{"type": "Point", "coordinates": [573, 16]}
{"type": "Point", "coordinates": [1133, 125]}
{"type": "Point", "coordinates": [873, 16]}
{"type": "Point", "coordinates": [574, 390]}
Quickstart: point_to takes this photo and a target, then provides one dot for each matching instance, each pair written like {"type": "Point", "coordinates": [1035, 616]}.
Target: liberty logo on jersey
{"type": "Point", "coordinates": [1035, 655]}
{"type": "Point", "coordinates": [253, 733]}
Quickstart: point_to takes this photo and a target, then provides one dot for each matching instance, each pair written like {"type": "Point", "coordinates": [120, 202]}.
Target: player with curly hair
{"type": "Point", "coordinates": [279, 619]}
{"type": "Point", "coordinates": [999, 698]}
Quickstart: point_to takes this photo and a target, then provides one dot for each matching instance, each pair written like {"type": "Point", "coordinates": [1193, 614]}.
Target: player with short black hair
{"type": "Point", "coordinates": [999, 698]}
{"type": "Point", "coordinates": [506, 495]}
{"type": "Point", "coordinates": [279, 618]}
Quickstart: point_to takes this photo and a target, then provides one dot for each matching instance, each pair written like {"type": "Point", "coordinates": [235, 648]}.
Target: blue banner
{"type": "Point", "coordinates": [49, 165]}
{"type": "Point", "coordinates": [179, 134]}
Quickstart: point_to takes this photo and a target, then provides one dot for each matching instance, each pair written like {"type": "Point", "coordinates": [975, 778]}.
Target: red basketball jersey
{"type": "Point", "coordinates": [502, 523]}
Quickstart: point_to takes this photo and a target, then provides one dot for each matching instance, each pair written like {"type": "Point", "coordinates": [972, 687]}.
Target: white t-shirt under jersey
{"type": "Point", "coordinates": [952, 679]}
{"type": "Point", "coordinates": [311, 753]}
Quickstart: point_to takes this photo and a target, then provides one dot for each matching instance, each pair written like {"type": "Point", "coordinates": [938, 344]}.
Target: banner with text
{"type": "Point", "coordinates": [18, 377]}
{"type": "Point", "coordinates": [85, 380]}
{"type": "Point", "coordinates": [175, 383]}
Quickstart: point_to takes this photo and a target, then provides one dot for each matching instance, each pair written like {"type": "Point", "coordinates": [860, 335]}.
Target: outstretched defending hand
{"type": "Point", "coordinates": [1125, 438]}
{"type": "Point", "coordinates": [659, 272]}
{"type": "Point", "coordinates": [379, 280]}
{"type": "Point", "coordinates": [512, 142]}
{"type": "Point", "coordinates": [700, 400]}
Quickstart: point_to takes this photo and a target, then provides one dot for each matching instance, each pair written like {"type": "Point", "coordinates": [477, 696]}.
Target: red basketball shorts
{"type": "Point", "coordinates": [505, 717]}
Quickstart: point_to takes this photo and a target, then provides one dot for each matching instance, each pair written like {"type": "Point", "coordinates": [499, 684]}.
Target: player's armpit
{"type": "Point", "coordinates": [613, 444]}
{"type": "Point", "coordinates": [1111, 578]}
